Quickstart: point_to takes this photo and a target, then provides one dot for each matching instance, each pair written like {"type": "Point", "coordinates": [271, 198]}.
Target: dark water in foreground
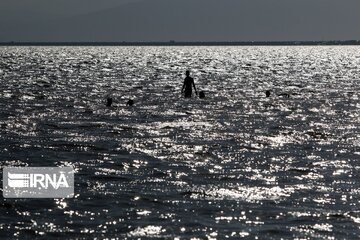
{"type": "Point", "coordinates": [235, 164]}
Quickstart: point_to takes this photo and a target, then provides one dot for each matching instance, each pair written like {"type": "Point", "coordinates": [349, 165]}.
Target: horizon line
{"type": "Point", "coordinates": [179, 43]}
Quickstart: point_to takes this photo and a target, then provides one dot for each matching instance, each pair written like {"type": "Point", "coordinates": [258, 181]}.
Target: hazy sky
{"type": "Point", "coordinates": [180, 20]}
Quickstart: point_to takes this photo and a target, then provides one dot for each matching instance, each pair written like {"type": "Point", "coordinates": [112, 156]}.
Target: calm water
{"type": "Point", "coordinates": [235, 164]}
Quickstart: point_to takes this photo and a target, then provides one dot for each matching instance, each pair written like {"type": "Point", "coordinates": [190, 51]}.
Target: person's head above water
{"type": "Point", "coordinates": [187, 73]}
{"type": "Point", "coordinates": [267, 93]}
{"type": "Point", "coordinates": [130, 102]}
{"type": "Point", "coordinates": [109, 102]}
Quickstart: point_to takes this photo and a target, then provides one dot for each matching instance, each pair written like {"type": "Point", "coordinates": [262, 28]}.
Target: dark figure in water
{"type": "Point", "coordinates": [201, 94]}
{"type": "Point", "coordinates": [109, 102]}
{"type": "Point", "coordinates": [267, 93]}
{"type": "Point", "coordinates": [188, 84]}
{"type": "Point", "coordinates": [130, 102]}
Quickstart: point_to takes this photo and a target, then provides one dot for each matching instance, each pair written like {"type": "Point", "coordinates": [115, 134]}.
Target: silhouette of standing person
{"type": "Point", "coordinates": [188, 84]}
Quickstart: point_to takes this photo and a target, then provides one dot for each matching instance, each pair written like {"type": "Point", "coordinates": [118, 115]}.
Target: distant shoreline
{"type": "Point", "coordinates": [174, 43]}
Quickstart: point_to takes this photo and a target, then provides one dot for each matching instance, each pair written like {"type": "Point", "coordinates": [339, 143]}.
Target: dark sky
{"type": "Point", "coordinates": [180, 20]}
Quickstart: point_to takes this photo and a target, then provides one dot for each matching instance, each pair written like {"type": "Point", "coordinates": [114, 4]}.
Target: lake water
{"type": "Point", "coordinates": [235, 164]}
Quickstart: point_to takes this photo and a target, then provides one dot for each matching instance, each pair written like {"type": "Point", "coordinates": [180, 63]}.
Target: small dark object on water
{"type": "Point", "coordinates": [130, 102]}
{"type": "Point", "coordinates": [41, 97]}
{"type": "Point", "coordinates": [109, 102]}
{"type": "Point", "coordinates": [267, 93]}
{"type": "Point", "coordinates": [201, 94]}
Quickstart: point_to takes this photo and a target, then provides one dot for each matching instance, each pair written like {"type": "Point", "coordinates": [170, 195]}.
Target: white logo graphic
{"type": "Point", "coordinates": [17, 180]}
{"type": "Point", "coordinates": [38, 182]}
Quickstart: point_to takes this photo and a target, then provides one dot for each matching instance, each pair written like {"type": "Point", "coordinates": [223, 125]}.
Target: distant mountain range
{"type": "Point", "coordinates": [179, 20]}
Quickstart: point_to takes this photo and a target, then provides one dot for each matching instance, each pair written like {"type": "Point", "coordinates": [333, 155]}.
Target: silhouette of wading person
{"type": "Point", "coordinates": [188, 84]}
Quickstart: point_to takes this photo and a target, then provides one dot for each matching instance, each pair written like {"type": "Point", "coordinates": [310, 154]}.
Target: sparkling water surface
{"type": "Point", "coordinates": [233, 165]}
